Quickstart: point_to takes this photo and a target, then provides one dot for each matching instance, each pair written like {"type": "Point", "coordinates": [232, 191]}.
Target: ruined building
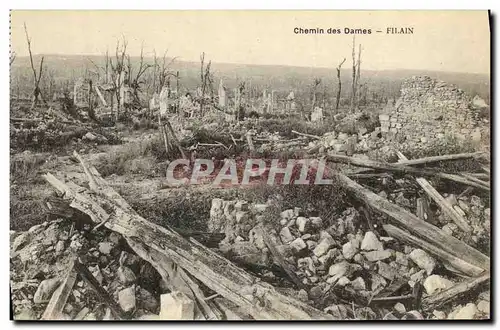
{"type": "Point", "coordinates": [429, 109]}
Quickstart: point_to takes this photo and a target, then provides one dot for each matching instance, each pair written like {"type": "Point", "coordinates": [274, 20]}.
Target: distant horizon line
{"type": "Point", "coordinates": [179, 59]}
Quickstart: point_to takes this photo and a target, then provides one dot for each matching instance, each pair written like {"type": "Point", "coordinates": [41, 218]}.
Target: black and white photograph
{"type": "Point", "coordinates": [284, 165]}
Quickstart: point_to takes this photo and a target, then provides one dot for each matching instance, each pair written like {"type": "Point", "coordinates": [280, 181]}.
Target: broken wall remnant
{"type": "Point", "coordinates": [430, 110]}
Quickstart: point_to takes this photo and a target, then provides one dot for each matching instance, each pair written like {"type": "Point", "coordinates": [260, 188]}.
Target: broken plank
{"type": "Point", "coordinates": [458, 291]}
{"type": "Point", "coordinates": [451, 260]}
{"type": "Point", "coordinates": [55, 307]}
{"type": "Point", "coordinates": [398, 168]}
{"type": "Point", "coordinates": [443, 204]}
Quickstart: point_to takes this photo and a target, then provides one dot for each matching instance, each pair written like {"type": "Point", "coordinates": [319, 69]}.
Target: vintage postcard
{"type": "Point", "coordinates": [250, 165]}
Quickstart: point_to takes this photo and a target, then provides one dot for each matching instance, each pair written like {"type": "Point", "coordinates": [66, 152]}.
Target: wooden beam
{"type": "Point", "coordinates": [55, 307]}
{"type": "Point", "coordinates": [456, 292]}
{"type": "Point", "coordinates": [403, 218]}
{"type": "Point", "coordinates": [401, 169]}
{"type": "Point", "coordinates": [452, 261]}
{"type": "Point", "coordinates": [443, 204]}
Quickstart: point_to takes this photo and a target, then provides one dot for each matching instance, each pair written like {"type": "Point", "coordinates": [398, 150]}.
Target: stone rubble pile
{"type": "Point", "coordinates": [40, 259]}
{"type": "Point", "coordinates": [340, 257]}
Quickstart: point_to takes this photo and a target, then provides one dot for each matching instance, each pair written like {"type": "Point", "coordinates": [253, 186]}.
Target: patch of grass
{"type": "Point", "coordinates": [132, 158]}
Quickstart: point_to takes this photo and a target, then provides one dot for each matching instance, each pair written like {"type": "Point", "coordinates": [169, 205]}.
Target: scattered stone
{"type": "Point", "coordinates": [287, 214]}
{"type": "Point", "coordinates": [329, 257]}
{"type": "Point", "coordinates": [105, 247]}
{"type": "Point", "coordinates": [484, 307]}
{"type": "Point", "coordinates": [358, 284]}
{"type": "Point", "coordinates": [423, 260]}
{"type": "Point", "coordinates": [316, 222]}
{"type": "Point", "coordinates": [302, 295]}
{"type": "Point", "coordinates": [315, 293]}
{"type": "Point", "coordinates": [324, 245]}
{"type": "Point", "coordinates": [370, 242]}
{"type": "Point", "coordinates": [126, 299]}
{"type": "Point", "coordinates": [311, 245]}
{"type": "Point", "coordinates": [125, 275]}
{"type": "Point", "coordinates": [349, 250]}
{"type": "Point", "coordinates": [377, 255]}
{"type": "Point", "coordinates": [25, 315]}
{"type": "Point", "coordinates": [439, 315]}
{"type": "Point", "coordinates": [401, 258]}
{"type": "Point", "coordinates": [59, 247]}
{"type": "Point", "coordinates": [386, 271]}
{"type": "Point", "coordinates": [286, 235]}
{"type": "Point", "coordinates": [338, 270]}
{"type": "Point", "coordinates": [465, 313]}
{"type": "Point", "coordinates": [298, 245]}
{"type": "Point", "coordinates": [378, 282]}
{"type": "Point", "coordinates": [400, 308]}
{"type": "Point", "coordinates": [20, 241]}
{"type": "Point", "coordinates": [45, 290]}
{"type": "Point", "coordinates": [302, 223]}
{"type": "Point", "coordinates": [435, 283]}
{"type": "Point", "coordinates": [413, 315]}
{"type": "Point", "coordinates": [343, 281]}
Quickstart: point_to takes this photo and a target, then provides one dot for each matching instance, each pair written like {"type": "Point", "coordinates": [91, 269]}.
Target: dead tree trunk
{"type": "Point", "coordinates": [358, 74]}
{"type": "Point", "coordinates": [353, 91]}
{"type": "Point", "coordinates": [37, 94]}
{"type": "Point", "coordinates": [339, 85]}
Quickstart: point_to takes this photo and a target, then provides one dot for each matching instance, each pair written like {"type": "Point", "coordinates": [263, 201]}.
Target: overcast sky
{"type": "Point", "coordinates": [446, 41]}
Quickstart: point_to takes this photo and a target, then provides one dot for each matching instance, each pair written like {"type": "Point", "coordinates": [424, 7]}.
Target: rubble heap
{"type": "Point", "coordinates": [40, 258]}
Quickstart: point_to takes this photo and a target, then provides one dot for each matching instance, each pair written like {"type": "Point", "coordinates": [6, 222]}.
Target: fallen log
{"type": "Point", "coordinates": [261, 300]}
{"type": "Point", "coordinates": [452, 262]}
{"type": "Point", "coordinates": [58, 300]}
{"type": "Point", "coordinates": [458, 291]}
{"type": "Point", "coordinates": [401, 217]}
{"type": "Point", "coordinates": [401, 169]}
{"type": "Point", "coordinates": [443, 204]}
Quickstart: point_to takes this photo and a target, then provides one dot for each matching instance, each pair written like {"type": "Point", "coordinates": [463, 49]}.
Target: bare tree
{"type": "Point", "coordinates": [161, 71]}
{"type": "Point", "coordinates": [205, 79]}
{"type": "Point", "coordinates": [353, 91]}
{"type": "Point", "coordinates": [136, 80]}
{"type": "Point", "coordinates": [118, 72]}
{"type": "Point", "coordinates": [356, 72]}
{"type": "Point", "coordinates": [36, 76]}
{"type": "Point", "coordinates": [339, 89]}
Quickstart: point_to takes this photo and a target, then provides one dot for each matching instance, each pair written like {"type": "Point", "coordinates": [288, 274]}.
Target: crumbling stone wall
{"type": "Point", "coordinates": [429, 109]}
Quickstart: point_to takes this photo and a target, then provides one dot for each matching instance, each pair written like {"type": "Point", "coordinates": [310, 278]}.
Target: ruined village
{"type": "Point", "coordinates": [99, 233]}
